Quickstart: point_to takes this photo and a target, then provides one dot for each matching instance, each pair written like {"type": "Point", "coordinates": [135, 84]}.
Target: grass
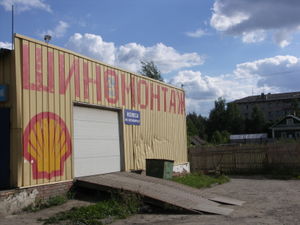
{"type": "Point", "coordinates": [120, 206]}
{"type": "Point", "coordinates": [198, 180]}
{"type": "Point", "coordinates": [42, 204]}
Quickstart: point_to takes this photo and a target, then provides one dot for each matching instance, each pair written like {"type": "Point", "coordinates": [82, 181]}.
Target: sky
{"type": "Point", "coordinates": [214, 48]}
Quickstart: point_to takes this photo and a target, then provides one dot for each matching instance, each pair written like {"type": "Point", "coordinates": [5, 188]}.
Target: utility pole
{"type": "Point", "coordinates": [12, 27]}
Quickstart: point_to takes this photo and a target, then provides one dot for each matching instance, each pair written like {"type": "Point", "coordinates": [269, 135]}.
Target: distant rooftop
{"type": "Point", "coordinates": [269, 97]}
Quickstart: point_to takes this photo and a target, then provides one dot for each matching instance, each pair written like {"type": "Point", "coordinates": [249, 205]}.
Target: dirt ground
{"type": "Point", "coordinates": [272, 202]}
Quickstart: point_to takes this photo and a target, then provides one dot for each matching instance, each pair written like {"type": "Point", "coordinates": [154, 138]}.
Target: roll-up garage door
{"type": "Point", "coordinates": [96, 141]}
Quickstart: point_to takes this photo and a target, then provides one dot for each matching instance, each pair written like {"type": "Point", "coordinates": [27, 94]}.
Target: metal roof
{"type": "Point", "coordinates": [286, 117]}
{"type": "Point", "coordinates": [269, 97]}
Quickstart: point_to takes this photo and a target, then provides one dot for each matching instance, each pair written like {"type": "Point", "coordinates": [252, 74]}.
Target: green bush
{"type": "Point", "coordinates": [120, 206]}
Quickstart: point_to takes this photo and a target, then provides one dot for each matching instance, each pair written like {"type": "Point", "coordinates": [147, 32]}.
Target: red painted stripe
{"type": "Point", "coordinates": [86, 80]}
{"type": "Point", "coordinates": [25, 67]}
{"type": "Point", "coordinates": [98, 83]}
{"type": "Point", "coordinates": [38, 70]}
{"type": "Point", "coordinates": [62, 85]}
{"type": "Point", "coordinates": [50, 87]}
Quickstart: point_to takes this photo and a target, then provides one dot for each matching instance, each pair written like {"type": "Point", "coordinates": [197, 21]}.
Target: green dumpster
{"type": "Point", "coordinates": [160, 168]}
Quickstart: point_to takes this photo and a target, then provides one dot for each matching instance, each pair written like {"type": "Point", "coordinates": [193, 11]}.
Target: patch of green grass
{"type": "Point", "coordinates": [42, 204]}
{"type": "Point", "coordinates": [198, 180]}
{"type": "Point", "coordinates": [119, 207]}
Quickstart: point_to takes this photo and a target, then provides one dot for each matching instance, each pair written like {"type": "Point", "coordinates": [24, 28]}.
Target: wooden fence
{"type": "Point", "coordinates": [245, 159]}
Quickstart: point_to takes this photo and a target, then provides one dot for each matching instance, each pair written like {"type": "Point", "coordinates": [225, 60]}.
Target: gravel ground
{"type": "Point", "coordinates": [24, 218]}
{"type": "Point", "coordinates": [268, 202]}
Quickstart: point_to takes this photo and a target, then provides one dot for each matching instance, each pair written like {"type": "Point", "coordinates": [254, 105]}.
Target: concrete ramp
{"type": "Point", "coordinates": [155, 188]}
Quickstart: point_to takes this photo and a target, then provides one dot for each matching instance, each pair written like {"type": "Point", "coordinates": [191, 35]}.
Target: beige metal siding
{"type": "Point", "coordinates": [50, 80]}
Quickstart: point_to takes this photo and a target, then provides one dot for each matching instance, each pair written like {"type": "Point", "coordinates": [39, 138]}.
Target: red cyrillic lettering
{"type": "Point", "coordinates": [86, 80]}
{"type": "Point", "coordinates": [139, 87]}
{"type": "Point", "coordinates": [111, 86]}
{"type": "Point", "coordinates": [98, 83]}
{"type": "Point", "coordinates": [181, 102]}
{"type": "Point", "coordinates": [63, 82]}
{"type": "Point", "coordinates": [38, 70]}
{"type": "Point", "coordinates": [128, 89]}
{"type": "Point", "coordinates": [172, 101]}
{"type": "Point", "coordinates": [165, 90]}
{"type": "Point", "coordinates": [50, 87]}
{"type": "Point", "coordinates": [62, 79]}
{"type": "Point", "coordinates": [25, 67]}
{"type": "Point", "coordinates": [75, 69]}
{"type": "Point", "coordinates": [153, 96]}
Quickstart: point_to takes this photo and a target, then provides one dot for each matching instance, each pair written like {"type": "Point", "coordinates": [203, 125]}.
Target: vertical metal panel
{"type": "Point", "coordinates": [6, 61]}
{"type": "Point", "coordinates": [17, 119]}
{"type": "Point", "coordinates": [52, 79]}
{"type": "Point", "coordinates": [6, 70]}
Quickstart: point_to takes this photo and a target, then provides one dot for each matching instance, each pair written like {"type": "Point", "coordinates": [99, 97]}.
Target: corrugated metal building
{"type": "Point", "coordinates": [70, 116]}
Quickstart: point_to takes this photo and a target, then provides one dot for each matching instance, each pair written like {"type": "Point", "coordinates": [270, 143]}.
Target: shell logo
{"type": "Point", "coordinates": [47, 145]}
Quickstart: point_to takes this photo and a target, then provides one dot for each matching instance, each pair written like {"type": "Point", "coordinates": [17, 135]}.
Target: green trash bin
{"type": "Point", "coordinates": [161, 168]}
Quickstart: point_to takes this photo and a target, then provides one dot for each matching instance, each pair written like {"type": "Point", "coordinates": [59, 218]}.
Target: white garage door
{"type": "Point", "coordinates": [96, 141]}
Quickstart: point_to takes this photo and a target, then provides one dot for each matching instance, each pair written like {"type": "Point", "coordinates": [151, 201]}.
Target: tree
{"type": "Point", "coordinates": [217, 117]}
{"type": "Point", "coordinates": [192, 129]}
{"type": "Point", "coordinates": [196, 125]}
{"type": "Point", "coordinates": [235, 121]}
{"type": "Point", "coordinates": [220, 137]}
{"type": "Point", "coordinates": [257, 121]}
{"type": "Point", "coordinates": [216, 137]}
{"type": "Point", "coordinates": [149, 69]}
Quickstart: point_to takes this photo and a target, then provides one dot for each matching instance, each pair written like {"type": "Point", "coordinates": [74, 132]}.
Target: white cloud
{"type": "Point", "coordinates": [93, 46]}
{"type": "Point", "coordinates": [58, 31]}
{"type": "Point", "coordinates": [23, 5]}
{"type": "Point", "coordinates": [203, 90]}
{"type": "Point", "coordinates": [252, 20]}
{"type": "Point", "coordinates": [279, 72]}
{"type": "Point", "coordinates": [255, 36]}
{"type": "Point", "coordinates": [197, 33]}
{"type": "Point", "coordinates": [223, 22]}
{"type": "Point", "coordinates": [198, 86]}
{"type": "Point", "coordinates": [6, 45]}
{"type": "Point", "coordinates": [276, 74]}
{"type": "Point", "coordinates": [128, 56]}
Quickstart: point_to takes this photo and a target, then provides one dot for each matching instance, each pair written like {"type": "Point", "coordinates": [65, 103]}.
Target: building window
{"type": "Point", "coordinates": [283, 135]}
{"type": "Point", "coordinates": [289, 121]}
{"type": "Point", "coordinates": [297, 134]}
{"type": "Point", "coordinates": [270, 114]}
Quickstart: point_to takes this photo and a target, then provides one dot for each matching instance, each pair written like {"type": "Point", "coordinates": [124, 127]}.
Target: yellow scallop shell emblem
{"type": "Point", "coordinates": [47, 145]}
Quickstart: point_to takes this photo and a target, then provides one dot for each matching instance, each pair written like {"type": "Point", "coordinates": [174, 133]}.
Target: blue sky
{"type": "Point", "coordinates": [215, 48]}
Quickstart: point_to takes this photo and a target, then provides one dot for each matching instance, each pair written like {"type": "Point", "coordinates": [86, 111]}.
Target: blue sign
{"type": "Point", "coordinates": [132, 117]}
{"type": "Point", "coordinates": [3, 93]}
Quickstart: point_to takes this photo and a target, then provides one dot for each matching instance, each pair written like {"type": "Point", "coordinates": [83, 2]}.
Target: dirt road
{"type": "Point", "coordinates": [268, 202]}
